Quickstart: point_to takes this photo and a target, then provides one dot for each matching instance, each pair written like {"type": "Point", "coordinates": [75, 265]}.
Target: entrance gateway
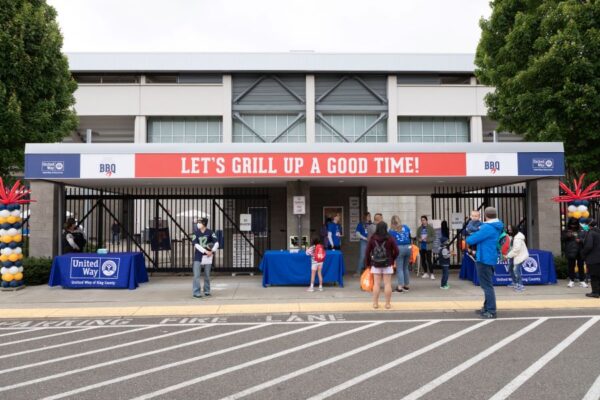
{"type": "Point", "coordinates": [145, 197]}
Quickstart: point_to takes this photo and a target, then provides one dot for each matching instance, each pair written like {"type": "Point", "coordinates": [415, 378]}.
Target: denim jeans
{"type": "Point", "coordinates": [197, 268]}
{"type": "Point", "coordinates": [116, 238]}
{"type": "Point", "coordinates": [445, 273]}
{"type": "Point", "coordinates": [402, 262]}
{"type": "Point", "coordinates": [361, 257]}
{"type": "Point", "coordinates": [486, 281]}
{"type": "Point", "coordinates": [515, 273]}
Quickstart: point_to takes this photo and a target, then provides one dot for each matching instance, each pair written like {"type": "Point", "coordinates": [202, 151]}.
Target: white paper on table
{"type": "Point", "coordinates": [206, 260]}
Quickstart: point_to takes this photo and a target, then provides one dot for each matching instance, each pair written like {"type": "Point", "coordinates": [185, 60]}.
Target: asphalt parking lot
{"type": "Point", "coordinates": [523, 355]}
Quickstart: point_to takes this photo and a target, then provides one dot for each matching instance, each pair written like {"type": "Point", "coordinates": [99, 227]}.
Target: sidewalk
{"type": "Point", "coordinates": [171, 295]}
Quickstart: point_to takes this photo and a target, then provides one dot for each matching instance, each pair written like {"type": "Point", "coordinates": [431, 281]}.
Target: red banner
{"type": "Point", "coordinates": [301, 165]}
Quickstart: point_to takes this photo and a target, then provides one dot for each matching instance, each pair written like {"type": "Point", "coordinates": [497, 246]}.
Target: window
{"type": "Point", "coordinates": [425, 79]}
{"type": "Point", "coordinates": [106, 78]}
{"type": "Point", "coordinates": [183, 78]}
{"type": "Point", "coordinates": [185, 130]}
{"type": "Point", "coordinates": [279, 128]}
{"type": "Point", "coordinates": [353, 127]}
{"type": "Point", "coordinates": [433, 129]}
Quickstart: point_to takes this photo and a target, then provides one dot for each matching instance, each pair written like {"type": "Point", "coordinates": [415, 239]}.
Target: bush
{"type": "Point", "coordinates": [36, 271]}
{"type": "Point", "coordinates": [562, 270]}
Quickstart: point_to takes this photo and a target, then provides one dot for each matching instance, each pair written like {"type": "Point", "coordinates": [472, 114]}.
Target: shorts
{"type": "Point", "coordinates": [315, 266]}
{"type": "Point", "coordinates": [384, 271]}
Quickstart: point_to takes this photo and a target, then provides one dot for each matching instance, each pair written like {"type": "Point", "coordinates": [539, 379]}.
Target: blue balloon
{"type": "Point", "coordinates": [6, 226]}
{"type": "Point", "coordinates": [16, 225]}
{"type": "Point", "coordinates": [585, 203]}
{"type": "Point", "coordinates": [13, 245]}
{"type": "Point", "coordinates": [18, 264]}
{"type": "Point", "coordinates": [4, 284]}
{"type": "Point", "coordinates": [2, 207]}
{"type": "Point", "coordinates": [13, 284]}
{"type": "Point", "coordinates": [2, 245]}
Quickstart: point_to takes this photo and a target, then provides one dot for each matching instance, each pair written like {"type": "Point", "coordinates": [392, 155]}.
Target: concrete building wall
{"type": "Point", "coordinates": [43, 220]}
{"type": "Point", "coordinates": [450, 100]}
{"type": "Point", "coordinates": [408, 208]}
{"type": "Point", "coordinates": [544, 219]}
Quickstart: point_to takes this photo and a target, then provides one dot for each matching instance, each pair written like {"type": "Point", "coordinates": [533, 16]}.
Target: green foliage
{"type": "Point", "coordinates": [560, 264]}
{"type": "Point", "coordinates": [36, 271]}
{"type": "Point", "coordinates": [36, 87]}
{"type": "Point", "coordinates": [543, 58]}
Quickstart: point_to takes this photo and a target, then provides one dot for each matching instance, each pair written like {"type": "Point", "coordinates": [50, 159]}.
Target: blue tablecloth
{"type": "Point", "coordinates": [538, 269]}
{"type": "Point", "coordinates": [106, 271]}
{"type": "Point", "coordinates": [285, 268]}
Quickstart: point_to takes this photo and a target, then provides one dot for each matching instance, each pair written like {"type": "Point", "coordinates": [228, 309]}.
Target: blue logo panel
{"type": "Point", "coordinates": [541, 164]}
{"type": "Point", "coordinates": [52, 166]}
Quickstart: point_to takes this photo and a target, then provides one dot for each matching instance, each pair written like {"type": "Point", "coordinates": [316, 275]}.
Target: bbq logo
{"type": "Point", "coordinates": [492, 166]}
{"type": "Point", "coordinates": [108, 169]}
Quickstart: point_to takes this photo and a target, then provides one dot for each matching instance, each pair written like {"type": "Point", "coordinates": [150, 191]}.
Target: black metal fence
{"type": "Point", "coordinates": [159, 222]}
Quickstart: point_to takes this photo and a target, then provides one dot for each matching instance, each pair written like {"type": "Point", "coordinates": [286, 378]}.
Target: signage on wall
{"type": "Point", "coordinates": [354, 210]}
{"type": "Point", "coordinates": [109, 166]}
{"type": "Point", "coordinates": [245, 222]}
{"type": "Point", "coordinates": [299, 205]}
{"type": "Point", "coordinates": [492, 164]}
{"type": "Point", "coordinates": [457, 220]}
{"type": "Point", "coordinates": [52, 166]}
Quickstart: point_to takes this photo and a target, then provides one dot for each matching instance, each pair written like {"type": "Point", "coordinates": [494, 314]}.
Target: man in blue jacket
{"type": "Point", "coordinates": [486, 239]}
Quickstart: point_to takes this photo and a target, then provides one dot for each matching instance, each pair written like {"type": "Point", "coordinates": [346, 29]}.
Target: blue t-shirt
{"type": "Point", "coordinates": [423, 232]}
{"type": "Point", "coordinates": [402, 237]}
{"type": "Point", "coordinates": [336, 233]}
{"type": "Point", "coordinates": [362, 229]}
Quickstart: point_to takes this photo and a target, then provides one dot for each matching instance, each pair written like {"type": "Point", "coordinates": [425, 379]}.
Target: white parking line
{"type": "Point", "coordinates": [323, 363]}
{"type": "Point", "coordinates": [55, 346]}
{"type": "Point", "coordinates": [594, 392]}
{"type": "Point", "coordinates": [178, 363]}
{"type": "Point", "coordinates": [539, 364]}
{"type": "Point", "coordinates": [423, 390]}
{"type": "Point", "coordinates": [11, 343]}
{"type": "Point", "coordinates": [253, 362]}
{"type": "Point", "coordinates": [123, 359]}
{"type": "Point", "coordinates": [27, 330]}
{"type": "Point", "coordinates": [395, 363]}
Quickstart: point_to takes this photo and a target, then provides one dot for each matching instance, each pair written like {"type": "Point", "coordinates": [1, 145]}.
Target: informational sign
{"type": "Point", "coordinates": [243, 253]}
{"type": "Point", "coordinates": [492, 164]}
{"type": "Point", "coordinates": [299, 205]}
{"type": "Point", "coordinates": [107, 166]}
{"type": "Point", "coordinates": [457, 220]}
{"type": "Point", "coordinates": [52, 166]}
{"type": "Point", "coordinates": [541, 164]}
{"type": "Point", "coordinates": [94, 271]}
{"type": "Point", "coordinates": [354, 210]}
{"type": "Point", "coordinates": [160, 240]}
{"type": "Point", "coordinates": [245, 222]}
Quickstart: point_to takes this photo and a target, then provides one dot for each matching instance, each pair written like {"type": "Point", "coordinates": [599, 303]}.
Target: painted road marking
{"type": "Point", "coordinates": [253, 362]}
{"type": "Point", "coordinates": [540, 363]}
{"type": "Point", "coordinates": [178, 363]}
{"type": "Point", "coordinates": [45, 348]}
{"type": "Point", "coordinates": [395, 363]}
{"type": "Point", "coordinates": [119, 360]}
{"type": "Point", "coordinates": [472, 361]}
{"type": "Point", "coordinates": [9, 343]}
{"type": "Point", "coordinates": [594, 392]}
{"type": "Point", "coordinates": [323, 363]}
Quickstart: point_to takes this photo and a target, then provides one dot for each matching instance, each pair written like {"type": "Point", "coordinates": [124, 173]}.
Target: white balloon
{"type": "Point", "coordinates": [16, 213]}
{"type": "Point", "coordinates": [18, 250]}
{"type": "Point", "coordinates": [572, 208]}
{"type": "Point", "coordinates": [8, 251]}
{"type": "Point", "coordinates": [3, 251]}
{"type": "Point", "coordinates": [20, 269]}
{"type": "Point", "coordinates": [13, 270]}
{"type": "Point", "coordinates": [4, 213]}
{"type": "Point", "coordinates": [582, 208]}
{"type": "Point", "coordinates": [3, 232]}
{"type": "Point", "coordinates": [3, 270]}
{"type": "Point", "coordinates": [12, 232]}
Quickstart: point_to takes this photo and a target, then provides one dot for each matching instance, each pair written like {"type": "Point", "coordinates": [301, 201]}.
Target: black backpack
{"type": "Point", "coordinates": [379, 258]}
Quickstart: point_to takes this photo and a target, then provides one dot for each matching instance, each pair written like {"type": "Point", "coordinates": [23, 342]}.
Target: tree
{"type": "Point", "coordinates": [36, 87]}
{"type": "Point", "coordinates": [543, 58]}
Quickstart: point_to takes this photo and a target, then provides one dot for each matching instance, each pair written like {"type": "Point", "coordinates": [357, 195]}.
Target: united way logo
{"type": "Point", "coordinates": [542, 164]}
{"type": "Point", "coordinates": [492, 166]}
{"type": "Point", "coordinates": [108, 268]}
{"type": "Point", "coordinates": [108, 169]}
{"type": "Point", "coordinates": [531, 265]}
{"type": "Point", "coordinates": [53, 167]}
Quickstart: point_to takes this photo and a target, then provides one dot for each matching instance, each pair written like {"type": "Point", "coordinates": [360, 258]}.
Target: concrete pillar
{"type": "Point", "coordinates": [310, 109]}
{"type": "Point", "coordinates": [423, 207]}
{"type": "Point", "coordinates": [227, 107]}
{"type": "Point", "coordinates": [298, 188]}
{"type": "Point", "coordinates": [140, 130]}
{"type": "Point", "coordinates": [476, 129]}
{"type": "Point", "coordinates": [392, 120]}
{"type": "Point", "coordinates": [44, 219]}
{"type": "Point", "coordinates": [544, 215]}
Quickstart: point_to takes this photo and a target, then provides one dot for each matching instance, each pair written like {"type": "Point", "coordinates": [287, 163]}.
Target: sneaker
{"type": "Point", "coordinates": [320, 288]}
{"type": "Point", "coordinates": [583, 284]}
{"type": "Point", "coordinates": [406, 288]}
{"type": "Point", "coordinates": [425, 276]}
{"type": "Point", "coordinates": [445, 287]}
{"type": "Point", "coordinates": [571, 284]}
{"type": "Point", "coordinates": [510, 285]}
{"type": "Point", "coordinates": [197, 296]}
{"type": "Point", "coordinates": [207, 294]}
{"type": "Point", "coordinates": [519, 288]}
{"type": "Point", "coordinates": [432, 277]}
{"type": "Point", "coordinates": [488, 315]}
{"type": "Point", "coordinates": [596, 296]}
{"type": "Point", "coordinates": [310, 289]}
{"type": "Point", "coordinates": [479, 311]}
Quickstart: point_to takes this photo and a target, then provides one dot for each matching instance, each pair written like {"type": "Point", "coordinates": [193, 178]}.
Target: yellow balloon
{"type": "Point", "coordinates": [18, 276]}
{"type": "Point", "coordinates": [7, 277]}
{"type": "Point", "coordinates": [570, 214]}
{"type": "Point", "coordinates": [6, 239]}
{"type": "Point", "coordinates": [577, 214]}
{"type": "Point", "coordinates": [12, 220]}
{"type": "Point", "coordinates": [3, 258]}
{"type": "Point", "coordinates": [585, 214]}
{"type": "Point", "coordinates": [2, 220]}
{"type": "Point", "coordinates": [20, 257]}
{"type": "Point", "coordinates": [17, 238]}
{"type": "Point", "coordinates": [14, 257]}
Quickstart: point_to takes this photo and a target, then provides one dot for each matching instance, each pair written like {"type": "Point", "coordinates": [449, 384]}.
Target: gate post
{"type": "Point", "coordinates": [545, 215]}
{"type": "Point", "coordinates": [44, 223]}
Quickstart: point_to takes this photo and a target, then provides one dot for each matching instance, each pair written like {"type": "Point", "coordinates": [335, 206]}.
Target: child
{"type": "Point", "coordinates": [444, 260]}
{"type": "Point", "coordinates": [472, 227]}
{"type": "Point", "coordinates": [517, 254]}
{"type": "Point", "coordinates": [317, 256]}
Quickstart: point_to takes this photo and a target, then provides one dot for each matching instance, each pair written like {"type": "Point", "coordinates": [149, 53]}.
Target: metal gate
{"type": "Point", "coordinates": [158, 222]}
{"type": "Point", "coordinates": [510, 201]}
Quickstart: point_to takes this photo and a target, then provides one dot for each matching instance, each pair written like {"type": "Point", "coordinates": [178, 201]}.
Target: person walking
{"type": "Point", "coordinates": [361, 232]}
{"type": "Point", "coordinates": [572, 242]}
{"type": "Point", "coordinates": [205, 244]}
{"type": "Point", "coordinates": [486, 239]}
{"type": "Point", "coordinates": [382, 251]}
{"type": "Point", "coordinates": [401, 234]}
{"type": "Point", "coordinates": [591, 255]}
{"type": "Point", "coordinates": [426, 236]}
{"type": "Point", "coordinates": [517, 256]}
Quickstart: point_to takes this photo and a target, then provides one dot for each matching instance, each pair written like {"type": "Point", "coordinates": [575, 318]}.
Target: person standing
{"type": "Point", "coordinates": [377, 218]}
{"type": "Point", "coordinates": [444, 261]}
{"type": "Point", "coordinates": [486, 239]}
{"type": "Point", "coordinates": [334, 233]}
{"type": "Point", "coordinates": [426, 236]}
{"type": "Point", "coordinates": [316, 252]}
{"type": "Point", "coordinates": [205, 244]}
{"type": "Point", "coordinates": [361, 232]}
{"type": "Point", "coordinates": [591, 255]}
{"type": "Point", "coordinates": [116, 233]}
{"type": "Point", "coordinates": [73, 239]}
{"type": "Point", "coordinates": [401, 234]}
{"type": "Point", "coordinates": [382, 251]}
{"type": "Point", "coordinates": [572, 243]}
{"type": "Point", "coordinates": [517, 256]}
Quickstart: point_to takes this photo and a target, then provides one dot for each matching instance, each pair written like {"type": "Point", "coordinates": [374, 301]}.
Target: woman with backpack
{"type": "Point", "coordinates": [382, 251]}
{"type": "Point", "coordinates": [317, 257]}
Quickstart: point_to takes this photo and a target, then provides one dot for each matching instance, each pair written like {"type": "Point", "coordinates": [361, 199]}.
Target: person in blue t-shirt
{"type": "Point", "coordinates": [401, 234]}
{"type": "Point", "coordinates": [334, 233]}
{"type": "Point", "coordinates": [205, 244]}
{"type": "Point", "coordinates": [363, 235]}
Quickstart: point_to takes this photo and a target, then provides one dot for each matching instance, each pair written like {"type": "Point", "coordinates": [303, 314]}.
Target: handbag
{"type": "Point", "coordinates": [366, 280]}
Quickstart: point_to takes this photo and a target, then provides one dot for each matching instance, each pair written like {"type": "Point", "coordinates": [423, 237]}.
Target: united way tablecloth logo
{"type": "Point", "coordinates": [531, 265]}
{"type": "Point", "coordinates": [94, 268]}
{"type": "Point", "coordinates": [109, 268]}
